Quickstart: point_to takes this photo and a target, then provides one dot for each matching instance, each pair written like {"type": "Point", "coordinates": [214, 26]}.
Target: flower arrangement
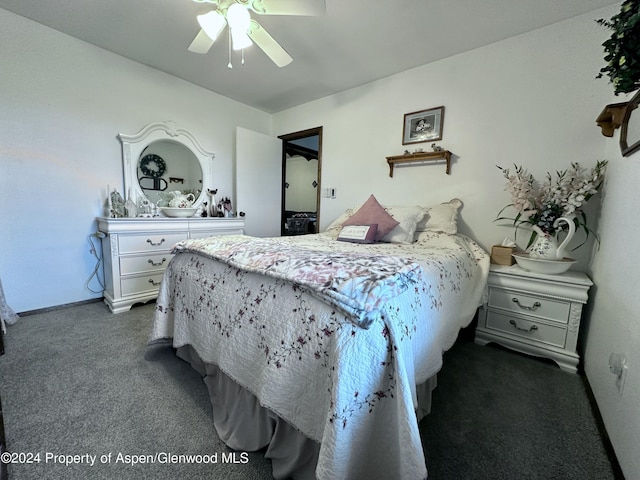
{"type": "Point", "coordinates": [622, 49]}
{"type": "Point", "coordinates": [562, 196]}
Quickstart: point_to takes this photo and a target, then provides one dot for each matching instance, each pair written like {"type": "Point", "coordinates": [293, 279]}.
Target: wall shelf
{"type": "Point", "coordinates": [419, 157]}
{"type": "Point", "coordinates": [611, 118]}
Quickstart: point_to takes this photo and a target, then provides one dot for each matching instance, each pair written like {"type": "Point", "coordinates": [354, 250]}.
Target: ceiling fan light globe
{"type": "Point", "coordinates": [212, 23]}
{"type": "Point", "coordinates": [239, 21]}
{"type": "Point", "coordinates": [238, 17]}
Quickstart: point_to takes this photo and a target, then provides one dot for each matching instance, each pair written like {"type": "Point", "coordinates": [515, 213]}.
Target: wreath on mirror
{"type": "Point", "coordinates": [153, 166]}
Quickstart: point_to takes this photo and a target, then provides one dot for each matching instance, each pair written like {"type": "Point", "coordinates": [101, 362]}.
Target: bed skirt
{"type": "Point", "coordinates": [245, 425]}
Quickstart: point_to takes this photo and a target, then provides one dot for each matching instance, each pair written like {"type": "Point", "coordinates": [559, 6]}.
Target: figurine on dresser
{"type": "Point", "coordinates": [116, 205]}
{"type": "Point", "coordinates": [213, 206]}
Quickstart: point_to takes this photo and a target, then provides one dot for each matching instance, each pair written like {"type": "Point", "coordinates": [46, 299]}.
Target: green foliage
{"type": "Point", "coordinates": [622, 49]}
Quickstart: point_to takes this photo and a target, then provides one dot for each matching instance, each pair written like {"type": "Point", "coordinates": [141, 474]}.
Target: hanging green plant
{"type": "Point", "coordinates": [622, 49]}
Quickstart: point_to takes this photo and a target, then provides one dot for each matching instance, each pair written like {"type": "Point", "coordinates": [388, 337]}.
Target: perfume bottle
{"type": "Point", "coordinates": [130, 206]}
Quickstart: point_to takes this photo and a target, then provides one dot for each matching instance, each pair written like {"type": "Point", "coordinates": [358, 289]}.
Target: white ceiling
{"type": "Point", "coordinates": [355, 42]}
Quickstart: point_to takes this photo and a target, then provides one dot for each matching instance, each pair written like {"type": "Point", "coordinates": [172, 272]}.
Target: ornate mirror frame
{"type": "Point", "coordinates": [134, 145]}
{"type": "Point", "coordinates": [630, 131]}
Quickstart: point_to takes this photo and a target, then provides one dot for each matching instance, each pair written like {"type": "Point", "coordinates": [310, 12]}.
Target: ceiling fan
{"type": "Point", "coordinates": [244, 30]}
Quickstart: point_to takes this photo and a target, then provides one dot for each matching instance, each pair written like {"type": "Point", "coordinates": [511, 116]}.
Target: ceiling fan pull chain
{"type": "Point", "coordinates": [243, 56]}
{"type": "Point", "coordinates": [229, 65]}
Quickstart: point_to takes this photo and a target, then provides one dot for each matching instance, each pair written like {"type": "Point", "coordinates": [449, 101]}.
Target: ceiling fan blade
{"type": "Point", "coordinates": [288, 7]}
{"type": "Point", "coordinates": [201, 44]}
{"type": "Point", "coordinates": [268, 45]}
{"type": "Point", "coordinates": [212, 24]}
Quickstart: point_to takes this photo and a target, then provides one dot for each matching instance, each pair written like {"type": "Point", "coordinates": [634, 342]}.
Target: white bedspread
{"type": "Point", "coordinates": [358, 283]}
{"type": "Point", "coordinates": [351, 389]}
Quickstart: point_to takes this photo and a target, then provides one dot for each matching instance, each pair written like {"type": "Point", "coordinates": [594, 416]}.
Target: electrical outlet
{"type": "Point", "coordinates": [618, 366]}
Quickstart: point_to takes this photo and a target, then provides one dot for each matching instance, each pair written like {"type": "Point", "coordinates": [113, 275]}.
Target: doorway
{"type": "Point", "coordinates": [301, 174]}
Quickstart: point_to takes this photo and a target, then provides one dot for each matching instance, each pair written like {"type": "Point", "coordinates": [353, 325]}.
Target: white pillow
{"type": "Point", "coordinates": [441, 218]}
{"type": "Point", "coordinates": [408, 218]}
{"type": "Point", "coordinates": [336, 225]}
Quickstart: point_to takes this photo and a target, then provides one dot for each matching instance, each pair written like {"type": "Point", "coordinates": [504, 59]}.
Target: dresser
{"type": "Point", "coordinates": [136, 252]}
{"type": "Point", "coordinates": [534, 313]}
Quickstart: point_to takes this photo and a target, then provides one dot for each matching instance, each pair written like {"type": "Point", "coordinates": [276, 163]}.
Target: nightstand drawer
{"type": "Point", "coordinates": [145, 263]}
{"type": "Point", "coordinates": [149, 242]}
{"type": "Point", "coordinates": [554, 310]}
{"type": "Point", "coordinates": [514, 325]}
{"type": "Point", "coordinates": [135, 285]}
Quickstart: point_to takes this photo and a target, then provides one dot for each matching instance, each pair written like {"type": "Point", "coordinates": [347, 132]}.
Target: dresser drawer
{"type": "Point", "coordinates": [149, 242]}
{"type": "Point", "coordinates": [145, 283]}
{"type": "Point", "coordinates": [214, 233]}
{"type": "Point", "coordinates": [146, 263]}
{"type": "Point", "coordinates": [529, 329]}
{"type": "Point", "coordinates": [554, 310]}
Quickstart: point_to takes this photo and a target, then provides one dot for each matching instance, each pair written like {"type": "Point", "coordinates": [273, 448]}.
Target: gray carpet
{"type": "Point", "coordinates": [81, 381]}
{"type": "Point", "coordinates": [498, 414]}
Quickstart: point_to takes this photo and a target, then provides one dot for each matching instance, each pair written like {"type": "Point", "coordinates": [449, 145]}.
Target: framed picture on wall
{"type": "Point", "coordinates": [423, 126]}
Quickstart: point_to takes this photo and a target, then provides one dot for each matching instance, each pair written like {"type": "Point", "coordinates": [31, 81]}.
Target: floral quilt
{"type": "Point", "coordinates": [351, 389]}
{"type": "Point", "coordinates": [358, 283]}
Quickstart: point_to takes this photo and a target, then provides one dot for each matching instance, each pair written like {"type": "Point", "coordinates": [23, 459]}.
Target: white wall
{"type": "Point", "coordinates": [614, 322]}
{"type": "Point", "coordinates": [530, 100]}
{"type": "Point", "coordinates": [63, 103]}
{"type": "Point", "coordinates": [301, 195]}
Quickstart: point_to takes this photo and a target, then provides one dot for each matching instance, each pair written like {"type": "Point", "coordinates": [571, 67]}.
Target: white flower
{"type": "Point", "coordinates": [564, 194]}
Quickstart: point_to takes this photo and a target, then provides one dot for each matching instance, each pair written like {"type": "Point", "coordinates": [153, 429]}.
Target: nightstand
{"type": "Point", "coordinates": [534, 313]}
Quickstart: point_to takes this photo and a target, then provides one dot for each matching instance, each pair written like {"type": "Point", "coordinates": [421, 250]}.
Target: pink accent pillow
{"type": "Point", "coordinates": [371, 212]}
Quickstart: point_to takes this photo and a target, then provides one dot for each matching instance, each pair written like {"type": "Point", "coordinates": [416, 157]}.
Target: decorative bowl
{"type": "Point", "coordinates": [179, 212]}
{"type": "Point", "coordinates": [543, 265]}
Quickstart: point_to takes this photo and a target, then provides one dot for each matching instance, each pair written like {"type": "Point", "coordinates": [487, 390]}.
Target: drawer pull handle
{"type": "Point", "coordinates": [157, 284]}
{"type": "Point", "coordinates": [526, 307]}
{"type": "Point", "coordinates": [149, 241]}
{"type": "Point", "coordinates": [156, 264]}
{"type": "Point", "coordinates": [533, 327]}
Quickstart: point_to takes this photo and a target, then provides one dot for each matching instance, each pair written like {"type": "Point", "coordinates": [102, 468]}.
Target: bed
{"type": "Point", "coordinates": [324, 352]}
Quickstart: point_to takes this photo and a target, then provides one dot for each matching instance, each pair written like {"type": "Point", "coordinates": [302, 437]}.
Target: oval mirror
{"type": "Point", "coordinates": [166, 166]}
{"type": "Point", "coordinates": [162, 158]}
{"type": "Point", "coordinates": [630, 131]}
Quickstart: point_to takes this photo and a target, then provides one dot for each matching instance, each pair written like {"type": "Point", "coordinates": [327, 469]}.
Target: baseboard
{"type": "Point", "coordinates": [60, 307]}
{"type": "Point", "coordinates": [608, 446]}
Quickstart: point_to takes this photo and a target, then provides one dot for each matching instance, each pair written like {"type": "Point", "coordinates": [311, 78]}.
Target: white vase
{"type": "Point", "coordinates": [130, 206]}
{"type": "Point", "coordinates": [546, 245]}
